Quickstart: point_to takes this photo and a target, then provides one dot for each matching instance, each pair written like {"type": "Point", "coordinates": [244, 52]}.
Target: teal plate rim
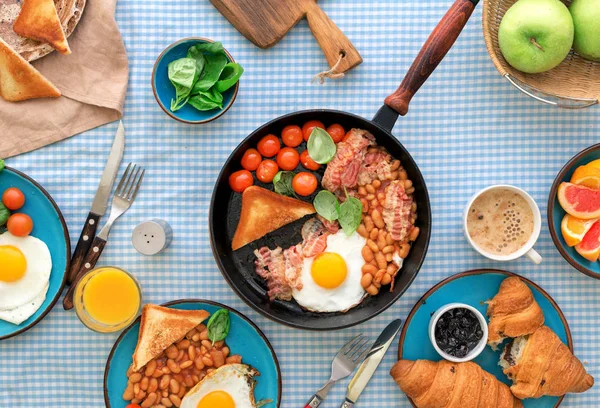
{"type": "Point", "coordinates": [68, 254]}
{"type": "Point", "coordinates": [459, 275]}
{"type": "Point", "coordinates": [552, 200]}
{"type": "Point", "coordinates": [208, 302]}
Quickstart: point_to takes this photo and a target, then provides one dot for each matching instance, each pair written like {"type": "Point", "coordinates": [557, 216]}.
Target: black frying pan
{"type": "Point", "coordinates": [238, 266]}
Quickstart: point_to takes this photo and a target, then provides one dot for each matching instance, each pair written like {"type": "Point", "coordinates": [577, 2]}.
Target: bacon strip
{"type": "Point", "coordinates": [270, 265]}
{"type": "Point", "coordinates": [376, 165]}
{"type": "Point", "coordinates": [396, 211]}
{"type": "Point", "coordinates": [331, 226]}
{"type": "Point", "coordinates": [314, 238]}
{"type": "Point", "coordinates": [293, 262]}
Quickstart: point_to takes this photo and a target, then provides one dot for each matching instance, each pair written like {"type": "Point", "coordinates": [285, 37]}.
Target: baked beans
{"type": "Point", "coordinates": [164, 381]}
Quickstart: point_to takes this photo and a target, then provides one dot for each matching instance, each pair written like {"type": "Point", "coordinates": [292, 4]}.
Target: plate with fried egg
{"type": "Point", "coordinates": [34, 266]}
{"type": "Point", "coordinates": [254, 381]}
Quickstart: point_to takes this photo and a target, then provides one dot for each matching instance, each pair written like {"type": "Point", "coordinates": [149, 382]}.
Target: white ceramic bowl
{"type": "Point", "coordinates": [473, 353]}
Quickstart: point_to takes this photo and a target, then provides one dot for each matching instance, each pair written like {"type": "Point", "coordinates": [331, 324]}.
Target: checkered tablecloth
{"type": "Point", "coordinates": [467, 128]}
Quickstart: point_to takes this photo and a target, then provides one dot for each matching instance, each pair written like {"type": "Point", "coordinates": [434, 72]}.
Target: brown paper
{"type": "Point", "coordinates": [93, 81]}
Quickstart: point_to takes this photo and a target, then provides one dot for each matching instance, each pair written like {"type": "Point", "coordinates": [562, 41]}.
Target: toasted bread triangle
{"type": "Point", "coordinates": [160, 327]}
{"type": "Point", "coordinates": [39, 21]}
{"type": "Point", "coordinates": [19, 80]}
{"type": "Point", "coordinates": [264, 211]}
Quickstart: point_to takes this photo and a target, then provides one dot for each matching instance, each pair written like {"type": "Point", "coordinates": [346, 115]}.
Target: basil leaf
{"type": "Point", "coordinates": [4, 214]}
{"type": "Point", "coordinates": [282, 183]}
{"type": "Point", "coordinates": [327, 206]}
{"type": "Point", "coordinates": [218, 325]}
{"type": "Point", "coordinates": [212, 48]}
{"type": "Point", "coordinates": [212, 70]}
{"type": "Point", "coordinates": [182, 74]}
{"type": "Point", "coordinates": [199, 58]}
{"type": "Point", "coordinates": [202, 102]}
{"type": "Point", "coordinates": [229, 76]}
{"type": "Point", "coordinates": [1, 165]}
{"type": "Point", "coordinates": [350, 215]}
{"type": "Point", "coordinates": [321, 147]}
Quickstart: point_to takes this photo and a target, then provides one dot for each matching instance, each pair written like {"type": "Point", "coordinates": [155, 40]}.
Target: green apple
{"type": "Point", "coordinates": [586, 18]}
{"type": "Point", "coordinates": [536, 35]}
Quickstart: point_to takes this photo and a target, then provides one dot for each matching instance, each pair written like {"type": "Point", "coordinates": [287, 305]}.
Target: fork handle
{"type": "Point", "coordinates": [83, 245]}
{"type": "Point", "coordinates": [87, 265]}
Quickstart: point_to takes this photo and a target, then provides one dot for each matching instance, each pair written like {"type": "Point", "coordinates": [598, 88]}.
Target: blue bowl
{"type": "Point", "coordinates": [164, 90]}
{"type": "Point", "coordinates": [49, 226]}
{"type": "Point", "coordinates": [556, 213]}
{"type": "Point", "coordinates": [244, 338]}
{"type": "Point", "coordinates": [474, 288]}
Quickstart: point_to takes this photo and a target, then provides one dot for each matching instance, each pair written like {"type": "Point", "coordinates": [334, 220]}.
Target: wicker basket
{"type": "Point", "coordinates": [575, 83]}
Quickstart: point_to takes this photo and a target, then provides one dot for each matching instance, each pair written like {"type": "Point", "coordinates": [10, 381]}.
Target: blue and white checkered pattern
{"type": "Point", "coordinates": [467, 128]}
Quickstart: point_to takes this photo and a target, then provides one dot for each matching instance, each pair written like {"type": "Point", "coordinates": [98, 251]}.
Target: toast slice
{"type": "Point", "coordinates": [264, 211]}
{"type": "Point", "coordinates": [19, 80]}
{"type": "Point", "coordinates": [39, 21]}
{"type": "Point", "coordinates": [160, 327]}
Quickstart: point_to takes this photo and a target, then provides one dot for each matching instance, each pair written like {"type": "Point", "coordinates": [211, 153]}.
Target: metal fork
{"type": "Point", "coordinates": [124, 195]}
{"type": "Point", "coordinates": [345, 361]}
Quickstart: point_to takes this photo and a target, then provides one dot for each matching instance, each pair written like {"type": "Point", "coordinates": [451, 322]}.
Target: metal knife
{"type": "Point", "coordinates": [368, 367]}
{"type": "Point", "coordinates": [100, 202]}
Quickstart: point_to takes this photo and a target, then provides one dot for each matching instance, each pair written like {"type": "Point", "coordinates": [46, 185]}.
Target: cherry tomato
{"type": "Point", "coordinates": [269, 145]}
{"type": "Point", "coordinates": [291, 135]}
{"type": "Point", "coordinates": [309, 126]}
{"type": "Point", "coordinates": [133, 406]}
{"type": "Point", "coordinates": [267, 169]}
{"type": "Point", "coordinates": [13, 198]}
{"type": "Point", "coordinates": [347, 136]}
{"type": "Point", "coordinates": [240, 180]}
{"type": "Point", "coordinates": [288, 158]}
{"type": "Point", "coordinates": [251, 159]}
{"type": "Point", "coordinates": [336, 132]}
{"type": "Point", "coordinates": [308, 162]}
{"type": "Point", "coordinates": [304, 183]}
{"type": "Point", "coordinates": [20, 225]}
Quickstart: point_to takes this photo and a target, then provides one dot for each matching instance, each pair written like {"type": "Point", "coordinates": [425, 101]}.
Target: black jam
{"type": "Point", "coordinates": [457, 332]}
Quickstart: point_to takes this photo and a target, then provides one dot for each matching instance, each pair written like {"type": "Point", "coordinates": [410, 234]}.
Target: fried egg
{"type": "Point", "coordinates": [24, 312]}
{"type": "Point", "coordinates": [229, 386]}
{"type": "Point", "coordinates": [25, 266]}
{"type": "Point", "coordinates": [331, 280]}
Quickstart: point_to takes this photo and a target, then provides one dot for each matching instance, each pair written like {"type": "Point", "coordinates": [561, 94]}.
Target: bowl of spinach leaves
{"type": "Point", "coordinates": [195, 80]}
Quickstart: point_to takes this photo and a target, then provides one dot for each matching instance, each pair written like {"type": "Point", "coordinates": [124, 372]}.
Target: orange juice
{"type": "Point", "coordinates": [109, 298]}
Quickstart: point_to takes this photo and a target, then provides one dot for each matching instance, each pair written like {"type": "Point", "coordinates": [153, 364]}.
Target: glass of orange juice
{"type": "Point", "coordinates": [107, 299]}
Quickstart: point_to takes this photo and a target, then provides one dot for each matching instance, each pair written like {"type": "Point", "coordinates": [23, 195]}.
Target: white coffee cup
{"type": "Point", "coordinates": [526, 249]}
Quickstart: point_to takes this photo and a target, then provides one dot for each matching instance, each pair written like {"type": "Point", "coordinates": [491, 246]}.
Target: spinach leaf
{"type": "Point", "coordinates": [327, 206]}
{"type": "Point", "coordinates": [1, 165]}
{"type": "Point", "coordinates": [211, 48]}
{"type": "Point", "coordinates": [207, 100]}
{"type": "Point", "coordinates": [212, 70]}
{"type": "Point", "coordinates": [218, 325]}
{"type": "Point", "coordinates": [4, 214]}
{"type": "Point", "coordinates": [199, 58]}
{"type": "Point", "coordinates": [321, 147]}
{"type": "Point", "coordinates": [229, 76]}
{"type": "Point", "coordinates": [182, 74]}
{"type": "Point", "coordinates": [282, 183]}
{"type": "Point", "coordinates": [350, 214]}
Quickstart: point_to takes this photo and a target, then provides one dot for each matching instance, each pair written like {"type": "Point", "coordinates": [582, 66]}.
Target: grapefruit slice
{"type": "Point", "coordinates": [579, 201]}
{"type": "Point", "coordinates": [588, 175]}
{"type": "Point", "coordinates": [589, 247]}
{"type": "Point", "coordinates": [574, 229]}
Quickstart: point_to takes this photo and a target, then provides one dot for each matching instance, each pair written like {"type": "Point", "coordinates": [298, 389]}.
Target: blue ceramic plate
{"type": "Point", "coordinates": [49, 226]}
{"type": "Point", "coordinates": [474, 288]}
{"type": "Point", "coordinates": [244, 338]}
{"type": "Point", "coordinates": [556, 213]}
{"type": "Point", "coordinates": [164, 90]}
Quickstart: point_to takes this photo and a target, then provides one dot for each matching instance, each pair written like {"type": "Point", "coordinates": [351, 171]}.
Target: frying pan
{"type": "Point", "coordinates": [237, 267]}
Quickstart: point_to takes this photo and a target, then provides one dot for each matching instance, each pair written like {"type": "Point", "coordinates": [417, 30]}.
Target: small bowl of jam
{"type": "Point", "coordinates": [458, 332]}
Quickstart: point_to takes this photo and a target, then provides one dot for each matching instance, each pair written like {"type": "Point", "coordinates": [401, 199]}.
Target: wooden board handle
{"type": "Point", "coordinates": [434, 50]}
{"type": "Point", "coordinates": [332, 40]}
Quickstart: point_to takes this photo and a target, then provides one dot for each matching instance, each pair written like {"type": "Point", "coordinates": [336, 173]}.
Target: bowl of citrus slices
{"type": "Point", "coordinates": [574, 211]}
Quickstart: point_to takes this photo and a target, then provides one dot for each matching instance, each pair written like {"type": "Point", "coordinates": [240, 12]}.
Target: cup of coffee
{"type": "Point", "coordinates": [503, 223]}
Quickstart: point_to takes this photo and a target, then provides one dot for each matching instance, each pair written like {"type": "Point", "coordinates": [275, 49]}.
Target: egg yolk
{"type": "Point", "coordinates": [329, 270]}
{"type": "Point", "coordinates": [13, 263]}
{"type": "Point", "coordinates": [215, 399]}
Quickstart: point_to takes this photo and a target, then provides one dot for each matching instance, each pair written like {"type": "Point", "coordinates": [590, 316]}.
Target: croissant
{"type": "Point", "coordinates": [540, 364]}
{"type": "Point", "coordinates": [451, 385]}
{"type": "Point", "coordinates": [513, 312]}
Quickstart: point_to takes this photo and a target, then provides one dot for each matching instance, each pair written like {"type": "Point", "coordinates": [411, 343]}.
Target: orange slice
{"type": "Point", "coordinates": [589, 247]}
{"type": "Point", "coordinates": [588, 175]}
{"type": "Point", "coordinates": [579, 201]}
{"type": "Point", "coordinates": [574, 229]}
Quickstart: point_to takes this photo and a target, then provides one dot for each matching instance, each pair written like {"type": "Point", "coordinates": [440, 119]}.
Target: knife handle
{"type": "Point", "coordinates": [87, 265]}
{"type": "Point", "coordinates": [347, 404]}
{"type": "Point", "coordinates": [314, 402]}
{"type": "Point", "coordinates": [83, 245]}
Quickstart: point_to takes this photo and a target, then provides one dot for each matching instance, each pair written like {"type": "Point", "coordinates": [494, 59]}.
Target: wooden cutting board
{"type": "Point", "coordinates": [265, 22]}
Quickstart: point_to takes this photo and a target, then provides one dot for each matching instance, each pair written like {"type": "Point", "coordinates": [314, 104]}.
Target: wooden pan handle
{"type": "Point", "coordinates": [331, 39]}
{"type": "Point", "coordinates": [434, 50]}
